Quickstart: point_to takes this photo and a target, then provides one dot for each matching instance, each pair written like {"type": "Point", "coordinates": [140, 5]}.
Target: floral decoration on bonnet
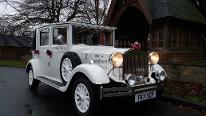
{"type": "Point", "coordinates": [136, 46]}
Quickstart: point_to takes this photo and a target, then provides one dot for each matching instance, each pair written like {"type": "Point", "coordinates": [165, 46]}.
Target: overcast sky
{"type": "Point", "coordinates": [6, 9]}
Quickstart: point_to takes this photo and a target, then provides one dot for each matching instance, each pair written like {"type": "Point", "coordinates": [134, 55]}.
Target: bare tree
{"type": "Point", "coordinates": [8, 27]}
{"type": "Point", "coordinates": [34, 12]}
{"type": "Point", "coordinates": [45, 11]}
{"type": "Point", "coordinates": [50, 11]}
{"type": "Point", "coordinates": [93, 11]}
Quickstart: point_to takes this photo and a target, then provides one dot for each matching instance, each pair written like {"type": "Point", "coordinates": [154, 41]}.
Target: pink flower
{"type": "Point", "coordinates": [36, 52]}
{"type": "Point", "coordinates": [49, 53]}
{"type": "Point", "coordinates": [136, 46]}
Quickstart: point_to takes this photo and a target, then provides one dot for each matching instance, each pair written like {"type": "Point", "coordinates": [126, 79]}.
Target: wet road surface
{"type": "Point", "coordinates": [16, 99]}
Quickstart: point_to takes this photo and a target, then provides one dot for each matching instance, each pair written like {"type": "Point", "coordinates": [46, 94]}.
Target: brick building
{"type": "Point", "coordinates": [13, 47]}
{"type": "Point", "coordinates": [176, 28]}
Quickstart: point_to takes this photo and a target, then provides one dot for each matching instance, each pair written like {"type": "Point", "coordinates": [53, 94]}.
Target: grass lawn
{"type": "Point", "coordinates": [192, 92]}
{"type": "Point", "coordinates": [199, 99]}
{"type": "Point", "coordinates": [12, 63]}
{"type": "Point", "coordinates": [198, 62]}
{"type": "Point", "coordinates": [196, 99]}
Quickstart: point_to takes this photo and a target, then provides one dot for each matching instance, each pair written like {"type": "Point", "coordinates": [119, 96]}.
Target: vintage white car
{"type": "Point", "coordinates": [82, 60]}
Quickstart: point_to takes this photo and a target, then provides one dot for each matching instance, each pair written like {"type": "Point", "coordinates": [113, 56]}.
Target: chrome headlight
{"type": "Point", "coordinates": [117, 59]}
{"type": "Point", "coordinates": [153, 58]}
{"type": "Point", "coordinates": [132, 79]}
{"type": "Point", "coordinates": [161, 75]}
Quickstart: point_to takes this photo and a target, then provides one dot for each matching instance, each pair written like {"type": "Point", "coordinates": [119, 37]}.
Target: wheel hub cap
{"type": "Point", "coordinates": [31, 76]}
{"type": "Point", "coordinates": [66, 68]}
{"type": "Point", "coordinates": [82, 98]}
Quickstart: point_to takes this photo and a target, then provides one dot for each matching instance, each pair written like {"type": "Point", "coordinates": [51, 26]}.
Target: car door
{"type": "Point", "coordinates": [58, 48]}
{"type": "Point", "coordinates": [44, 46]}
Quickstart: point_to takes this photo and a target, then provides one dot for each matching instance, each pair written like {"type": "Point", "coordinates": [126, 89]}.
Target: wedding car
{"type": "Point", "coordinates": [82, 61]}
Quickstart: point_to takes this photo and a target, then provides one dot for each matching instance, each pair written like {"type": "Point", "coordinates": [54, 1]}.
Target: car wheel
{"type": "Point", "coordinates": [83, 97]}
{"type": "Point", "coordinates": [68, 63]}
{"type": "Point", "coordinates": [33, 83]}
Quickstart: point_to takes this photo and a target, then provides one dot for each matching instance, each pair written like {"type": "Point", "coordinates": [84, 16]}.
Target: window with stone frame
{"type": "Point", "coordinates": [199, 42]}
{"type": "Point", "coordinates": [161, 40]}
{"type": "Point", "coordinates": [172, 40]}
{"type": "Point", "coordinates": [188, 36]}
{"type": "Point", "coordinates": [157, 40]}
{"type": "Point", "coordinates": [179, 40]}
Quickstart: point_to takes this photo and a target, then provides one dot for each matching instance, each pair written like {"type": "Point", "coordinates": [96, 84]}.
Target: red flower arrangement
{"type": "Point", "coordinates": [49, 53]}
{"type": "Point", "coordinates": [36, 52]}
{"type": "Point", "coordinates": [136, 46]}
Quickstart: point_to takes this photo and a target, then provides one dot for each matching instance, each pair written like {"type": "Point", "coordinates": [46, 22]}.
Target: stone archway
{"type": "Point", "coordinates": [132, 21]}
{"type": "Point", "coordinates": [132, 26]}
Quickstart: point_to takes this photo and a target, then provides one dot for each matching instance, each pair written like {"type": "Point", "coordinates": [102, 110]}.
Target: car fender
{"type": "Point", "coordinates": [35, 66]}
{"type": "Point", "coordinates": [157, 67]}
{"type": "Point", "coordinates": [93, 72]}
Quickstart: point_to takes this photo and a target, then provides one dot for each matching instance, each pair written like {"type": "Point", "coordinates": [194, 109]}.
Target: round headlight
{"type": "Point", "coordinates": [117, 59]}
{"type": "Point", "coordinates": [154, 57]}
{"type": "Point", "coordinates": [161, 75]}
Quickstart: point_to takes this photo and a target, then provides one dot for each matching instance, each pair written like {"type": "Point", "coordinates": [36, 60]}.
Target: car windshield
{"type": "Point", "coordinates": [92, 36]}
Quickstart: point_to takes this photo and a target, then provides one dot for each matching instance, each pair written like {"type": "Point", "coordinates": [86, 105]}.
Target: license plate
{"type": "Point", "coordinates": [145, 95]}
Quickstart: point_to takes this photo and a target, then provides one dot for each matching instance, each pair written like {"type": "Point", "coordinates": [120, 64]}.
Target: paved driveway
{"type": "Point", "coordinates": [17, 100]}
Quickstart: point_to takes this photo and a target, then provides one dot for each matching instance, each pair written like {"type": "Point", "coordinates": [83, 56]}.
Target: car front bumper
{"type": "Point", "coordinates": [128, 91]}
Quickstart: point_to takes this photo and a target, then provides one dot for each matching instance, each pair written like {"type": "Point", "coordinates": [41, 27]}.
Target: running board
{"type": "Point", "coordinates": [52, 83]}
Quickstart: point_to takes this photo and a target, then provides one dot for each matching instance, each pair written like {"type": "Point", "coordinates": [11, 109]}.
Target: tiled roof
{"type": "Point", "coordinates": [14, 41]}
{"type": "Point", "coordinates": [181, 9]}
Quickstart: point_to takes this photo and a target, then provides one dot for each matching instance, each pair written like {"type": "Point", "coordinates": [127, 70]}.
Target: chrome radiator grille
{"type": "Point", "coordinates": [135, 62]}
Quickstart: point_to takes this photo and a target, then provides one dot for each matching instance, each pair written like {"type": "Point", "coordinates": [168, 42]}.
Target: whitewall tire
{"type": "Point", "coordinates": [33, 83]}
{"type": "Point", "coordinates": [83, 97]}
{"type": "Point", "coordinates": [68, 62]}
{"type": "Point", "coordinates": [66, 69]}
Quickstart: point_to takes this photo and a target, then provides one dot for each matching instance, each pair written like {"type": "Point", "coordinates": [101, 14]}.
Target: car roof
{"type": "Point", "coordinates": [77, 24]}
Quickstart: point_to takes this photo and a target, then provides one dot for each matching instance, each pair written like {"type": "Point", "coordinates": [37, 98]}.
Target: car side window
{"type": "Point", "coordinates": [60, 36]}
{"type": "Point", "coordinates": [44, 37]}
{"type": "Point", "coordinates": [91, 36]}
